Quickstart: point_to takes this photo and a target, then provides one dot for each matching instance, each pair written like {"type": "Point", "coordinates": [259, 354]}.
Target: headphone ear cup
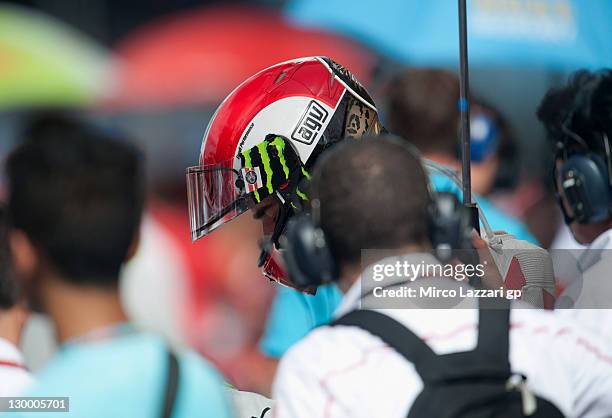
{"type": "Point", "coordinates": [584, 179]}
{"type": "Point", "coordinates": [450, 225]}
{"type": "Point", "coordinates": [306, 254]}
{"type": "Point", "coordinates": [567, 217]}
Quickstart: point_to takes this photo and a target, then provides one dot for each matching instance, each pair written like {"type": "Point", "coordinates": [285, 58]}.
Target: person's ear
{"type": "Point", "coordinates": [24, 254]}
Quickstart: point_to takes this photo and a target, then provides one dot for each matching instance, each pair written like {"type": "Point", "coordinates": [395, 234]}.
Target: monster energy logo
{"type": "Point", "coordinates": [275, 165]}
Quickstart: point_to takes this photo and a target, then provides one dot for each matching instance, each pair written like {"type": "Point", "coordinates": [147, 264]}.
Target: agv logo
{"type": "Point", "coordinates": [311, 124]}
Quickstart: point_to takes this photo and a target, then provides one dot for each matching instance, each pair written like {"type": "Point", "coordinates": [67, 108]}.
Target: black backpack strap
{"type": "Point", "coordinates": [396, 335]}
{"type": "Point", "coordinates": [494, 330]}
{"type": "Point", "coordinates": [172, 381]}
{"type": "Point", "coordinates": [489, 358]}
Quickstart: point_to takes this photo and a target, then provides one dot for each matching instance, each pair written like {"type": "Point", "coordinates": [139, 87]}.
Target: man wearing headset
{"type": "Point", "coordinates": [344, 371]}
{"type": "Point", "coordinates": [578, 120]}
{"type": "Point", "coordinates": [305, 107]}
{"type": "Point", "coordinates": [256, 155]}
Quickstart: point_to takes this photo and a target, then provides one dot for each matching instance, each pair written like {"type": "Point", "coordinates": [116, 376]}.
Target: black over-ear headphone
{"type": "Point", "coordinates": [584, 176]}
{"type": "Point", "coordinates": [308, 256]}
{"type": "Point", "coordinates": [587, 186]}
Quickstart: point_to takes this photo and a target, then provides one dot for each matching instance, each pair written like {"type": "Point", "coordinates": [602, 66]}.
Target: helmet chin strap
{"type": "Point", "coordinates": [268, 245]}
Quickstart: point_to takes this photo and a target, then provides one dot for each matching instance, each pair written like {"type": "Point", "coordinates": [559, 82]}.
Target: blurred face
{"type": "Point", "coordinates": [585, 234]}
{"type": "Point", "coordinates": [483, 175]}
{"type": "Point", "coordinates": [267, 212]}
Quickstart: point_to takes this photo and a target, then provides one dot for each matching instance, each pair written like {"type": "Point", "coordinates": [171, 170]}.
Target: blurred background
{"type": "Point", "coordinates": [156, 70]}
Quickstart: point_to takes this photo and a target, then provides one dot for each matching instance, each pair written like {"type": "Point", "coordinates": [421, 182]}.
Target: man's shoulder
{"type": "Point", "coordinates": [15, 381]}
{"type": "Point", "coordinates": [339, 336]}
{"type": "Point", "coordinates": [14, 377]}
{"type": "Point", "coordinates": [130, 372]}
{"type": "Point", "coordinates": [328, 346]}
{"type": "Point", "coordinates": [337, 368]}
{"type": "Point", "coordinates": [328, 349]}
{"type": "Point", "coordinates": [561, 334]}
{"type": "Point", "coordinates": [542, 323]}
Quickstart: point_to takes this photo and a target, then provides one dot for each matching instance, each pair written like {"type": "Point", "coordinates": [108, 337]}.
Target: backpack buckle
{"type": "Point", "coordinates": [518, 382]}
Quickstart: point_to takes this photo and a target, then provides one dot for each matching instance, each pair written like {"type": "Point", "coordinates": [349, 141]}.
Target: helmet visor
{"type": "Point", "coordinates": [216, 195]}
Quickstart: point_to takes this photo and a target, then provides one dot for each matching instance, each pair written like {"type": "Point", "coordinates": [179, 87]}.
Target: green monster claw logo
{"type": "Point", "coordinates": [301, 194]}
{"type": "Point", "coordinates": [276, 161]}
{"type": "Point", "coordinates": [279, 143]}
{"type": "Point", "coordinates": [298, 192]}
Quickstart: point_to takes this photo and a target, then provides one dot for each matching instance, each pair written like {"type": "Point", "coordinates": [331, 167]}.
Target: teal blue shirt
{"type": "Point", "coordinates": [293, 314]}
{"type": "Point", "coordinates": [125, 377]}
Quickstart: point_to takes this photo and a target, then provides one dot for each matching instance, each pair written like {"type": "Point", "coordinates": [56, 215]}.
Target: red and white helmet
{"type": "Point", "coordinates": [266, 135]}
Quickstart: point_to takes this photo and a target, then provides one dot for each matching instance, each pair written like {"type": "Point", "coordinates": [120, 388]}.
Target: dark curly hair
{"type": "Point", "coordinates": [583, 106]}
{"type": "Point", "coordinates": [78, 194]}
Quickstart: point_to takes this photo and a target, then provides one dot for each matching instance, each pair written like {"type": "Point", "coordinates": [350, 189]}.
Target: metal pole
{"type": "Point", "coordinates": [464, 88]}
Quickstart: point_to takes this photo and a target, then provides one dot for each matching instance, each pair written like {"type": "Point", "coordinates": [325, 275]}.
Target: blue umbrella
{"type": "Point", "coordinates": [557, 35]}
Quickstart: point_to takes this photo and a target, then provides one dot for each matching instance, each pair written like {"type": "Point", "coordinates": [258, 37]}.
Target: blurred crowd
{"type": "Point", "coordinates": [95, 140]}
